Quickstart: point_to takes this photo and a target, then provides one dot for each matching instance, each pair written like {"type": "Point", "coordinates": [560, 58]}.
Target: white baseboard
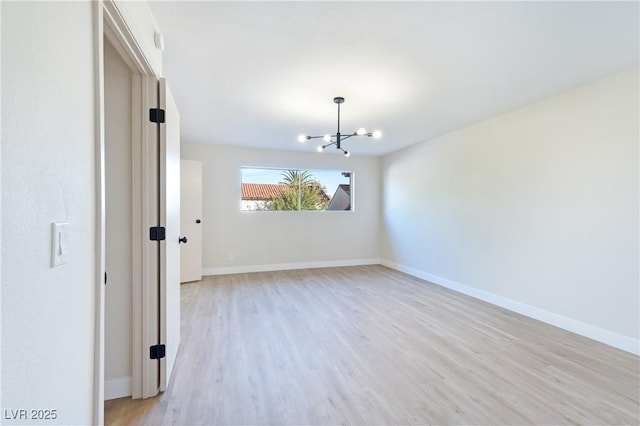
{"type": "Point", "coordinates": [288, 266]}
{"type": "Point", "coordinates": [607, 337]}
{"type": "Point", "coordinates": [117, 388]}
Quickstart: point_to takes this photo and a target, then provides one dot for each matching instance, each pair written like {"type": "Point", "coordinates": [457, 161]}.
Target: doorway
{"type": "Point", "coordinates": [138, 178]}
{"type": "Point", "coordinates": [118, 349]}
{"type": "Point", "coordinates": [191, 220]}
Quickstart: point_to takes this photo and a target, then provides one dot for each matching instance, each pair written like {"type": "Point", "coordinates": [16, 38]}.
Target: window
{"type": "Point", "coordinates": [265, 189]}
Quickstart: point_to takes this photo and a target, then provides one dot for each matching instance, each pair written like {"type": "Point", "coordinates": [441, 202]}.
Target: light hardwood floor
{"type": "Point", "coordinates": [369, 345]}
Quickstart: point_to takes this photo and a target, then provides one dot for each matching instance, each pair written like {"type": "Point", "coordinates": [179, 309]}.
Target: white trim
{"type": "Point", "coordinates": [288, 266]}
{"type": "Point", "coordinates": [139, 261]}
{"type": "Point", "coordinates": [150, 261]}
{"type": "Point", "coordinates": [99, 218]}
{"type": "Point", "coordinates": [117, 388]}
{"type": "Point", "coordinates": [607, 337]}
{"type": "Point", "coordinates": [123, 38]}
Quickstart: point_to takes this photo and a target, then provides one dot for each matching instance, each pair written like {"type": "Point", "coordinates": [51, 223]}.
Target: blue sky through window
{"type": "Point", "coordinates": [329, 178]}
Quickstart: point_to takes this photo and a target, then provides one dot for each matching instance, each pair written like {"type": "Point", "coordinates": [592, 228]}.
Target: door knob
{"type": "Point", "coordinates": [182, 240]}
{"type": "Point", "coordinates": [197, 220]}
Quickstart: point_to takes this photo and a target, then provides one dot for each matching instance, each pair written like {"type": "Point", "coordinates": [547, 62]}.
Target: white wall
{"type": "Point", "coordinates": [119, 252]}
{"type": "Point", "coordinates": [260, 240]}
{"type": "Point", "coordinates": [143, 25]}
{"type": "Point", "coordinates": [48, 138]}
{"type": "Point", "coordinates": [535, 209]}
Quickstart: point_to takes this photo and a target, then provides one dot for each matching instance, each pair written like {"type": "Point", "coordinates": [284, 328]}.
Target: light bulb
{"type": "Point", "coordinates": [320, 148]}
{"type": "Point", "coordinates": [347, 153]}
{"type": "Point", "coordinates": [327, 138]}
{"type": "Point", "coordinates": [361, 131]}
{"type": "Point", "coordinates": [377, 134]}
{"type": "Point", "coordinates": [302, 138]}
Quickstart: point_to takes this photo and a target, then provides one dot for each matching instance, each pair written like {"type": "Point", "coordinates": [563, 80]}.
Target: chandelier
{"type": "Point", "coordinates": [338, 138]}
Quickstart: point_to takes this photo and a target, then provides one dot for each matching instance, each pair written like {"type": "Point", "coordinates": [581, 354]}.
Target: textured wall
{"type": "Point", "coordinates": [48, 139]}
{"type": "Point", "coordinates": [272, 238]}
{"type": "Point", "coordinates": [538, 206]}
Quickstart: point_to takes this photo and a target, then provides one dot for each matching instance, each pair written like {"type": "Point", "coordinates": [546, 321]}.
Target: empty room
{"type": "Point", "coordinates": [319, 213]}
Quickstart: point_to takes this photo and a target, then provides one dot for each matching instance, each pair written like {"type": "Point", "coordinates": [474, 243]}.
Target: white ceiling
{"type": "Point", "coordinates": [258, 74]}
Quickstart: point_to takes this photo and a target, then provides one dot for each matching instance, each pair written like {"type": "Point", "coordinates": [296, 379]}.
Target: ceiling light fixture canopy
{"type": "Point", "coordinates": [338, 138]}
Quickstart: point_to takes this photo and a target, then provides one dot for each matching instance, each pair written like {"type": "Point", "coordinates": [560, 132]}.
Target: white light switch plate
{"type": "Point", "coordinates": [59, 243]}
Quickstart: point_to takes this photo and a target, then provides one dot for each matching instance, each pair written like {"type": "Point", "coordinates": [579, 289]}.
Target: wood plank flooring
{"type": "Point", "coordinates": [369, 345]}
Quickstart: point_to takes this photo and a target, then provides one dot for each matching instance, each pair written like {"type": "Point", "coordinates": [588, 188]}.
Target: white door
{"type": "Point", "coordinates": [160, 296]}
{"type": "Point", "coordinates": [170, 217]}
{"type": "Point", "coordinates": [191, 220]}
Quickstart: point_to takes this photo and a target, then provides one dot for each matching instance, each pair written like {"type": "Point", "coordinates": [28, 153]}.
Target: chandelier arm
{"type": "Point", "coordinates": [338, 137]}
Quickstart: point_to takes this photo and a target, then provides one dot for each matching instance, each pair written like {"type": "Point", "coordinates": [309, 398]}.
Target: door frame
{"type": "Point", "coordinates": [109, 22]}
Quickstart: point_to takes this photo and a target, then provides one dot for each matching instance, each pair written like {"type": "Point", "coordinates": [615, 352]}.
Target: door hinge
{"type": "Point", "coordinates": [157, 351]}
{"type": "Point", "coordinates": [156, 115]}
{"type": "Point", "coordinates": [156, 233]}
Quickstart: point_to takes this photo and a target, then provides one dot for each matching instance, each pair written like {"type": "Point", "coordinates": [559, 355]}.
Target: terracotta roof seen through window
{"type": "Point", "coordinates": [262, 191]}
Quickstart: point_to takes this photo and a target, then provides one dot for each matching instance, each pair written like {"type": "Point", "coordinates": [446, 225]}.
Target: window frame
{"type": "Point", "coordinates": [298, 169]}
